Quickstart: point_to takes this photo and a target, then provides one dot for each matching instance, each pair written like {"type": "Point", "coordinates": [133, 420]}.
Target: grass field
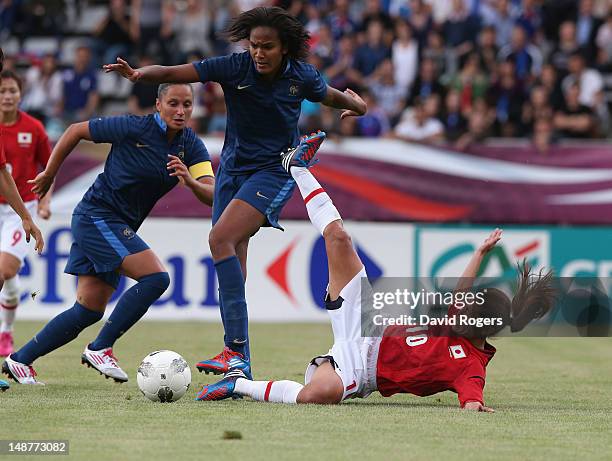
{"type": "Point", "coordinates": [553, 400]}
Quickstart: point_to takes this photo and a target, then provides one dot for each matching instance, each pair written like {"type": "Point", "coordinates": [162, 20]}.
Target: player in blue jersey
{"type": "Point", "coordinates": [264, 88]}
{"type": "Point", "coordinates": [149, 156]}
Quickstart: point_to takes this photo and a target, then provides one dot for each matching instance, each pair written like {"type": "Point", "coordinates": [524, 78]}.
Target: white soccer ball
{"type": "Point", "coordinates": [163, 376]}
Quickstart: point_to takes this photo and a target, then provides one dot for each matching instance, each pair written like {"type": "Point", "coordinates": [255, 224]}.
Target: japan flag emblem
{"type": "Point", "coordinates": [457, 352]}
{"type": "Point", "coordinates": [24, 138]}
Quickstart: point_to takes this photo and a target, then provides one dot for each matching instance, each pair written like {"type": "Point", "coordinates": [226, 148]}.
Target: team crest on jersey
{"type": "Point", "coordinates": [128, 233]}
{"type": "Point", "coordinates": [181, 155]}
{"type": "Point", "coordinates": [24, 138]}
{"type": "Point", "coordinates": [294, 88]}
{"type": "Point", "coordinates": [457, 351]}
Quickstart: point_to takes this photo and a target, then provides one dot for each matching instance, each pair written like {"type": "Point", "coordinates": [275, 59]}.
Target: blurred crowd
{"type": "Point", "coordinates": [431, 71]}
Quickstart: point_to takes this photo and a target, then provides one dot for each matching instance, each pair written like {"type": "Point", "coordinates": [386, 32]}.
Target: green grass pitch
{"type": "Point", "coordinates": [552, 396]}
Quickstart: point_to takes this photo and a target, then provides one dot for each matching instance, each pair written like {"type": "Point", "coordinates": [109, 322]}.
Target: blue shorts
{"type": "Point", "coordinates": [266, 190]}
{"type": "Point", "coordinates": [100, 244]}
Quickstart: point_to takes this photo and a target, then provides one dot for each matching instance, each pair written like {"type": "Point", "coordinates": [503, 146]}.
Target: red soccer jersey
{"type": "Point", "coordinates": [26, 147]}
{"type": "Point", "coordinates": [431, 361]}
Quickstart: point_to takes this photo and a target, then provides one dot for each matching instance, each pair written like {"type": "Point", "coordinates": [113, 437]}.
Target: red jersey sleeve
{"type": "Point", "coordinates": [470, 385]}
{"type": "Point", "coordinates": [43, 149]}
{"type": "Point", "coordinates": [2, 156]}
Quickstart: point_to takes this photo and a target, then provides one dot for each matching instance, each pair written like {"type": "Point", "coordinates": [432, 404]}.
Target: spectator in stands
{"type": "Point", "coordinates": [420, 20]}
{"type": "Point", "coordinates": [566, 46]}
{"type": "Point", "coordinates": [574, 120]}
{"type": "Point", "coordinates": [526, 57]}
{"type": "Point", "coordinates": [389, 95]}
{"type": "Point", "coordinates": [374, 51]}
{"type": "Point", "coordinates": [426, 83]}
{"type": "Point", "coordinates": [143, 94]}
{"type": "Point", "coordinates": [488, 50]}
{"type": "Point", "coordinates": [502, 20]}
{"type": "Point", "coordinates": [536, 108]}
{"type": "Point", "coordinates": [113, 33]}
{"type": "Point", "coordinates": [373, 11]}
{"type": "Point", "coordinates": [455, 124]}
{"type": "Point", "coordinates": [549, 80]}
{"type": "Point", "coordinates": [470, 82]}
{"type": "Point", "coordinates": [604, 44]}
{"type": "Point", "coordinates": [44, 87]}
{"type": "Point", "coordinates": [587, 25]}
{"type": "Point", "coordinates": [339, 19]}
{"type": "Point", "coordinates": [8, 12]}
{"type": "Point", "coordinates": [405, 55]}
{"type": "Point", "coordinates": [543, 134]}
{"type": "Point", "coordinates": [437, 52]}
{"type": "Point", "coordinates": [530, 18]}
{"type": "Point", "coordinates": [375, 122]}
{"type": "Point", "coordinates": [324, 45]}
{"type": "Point", "coordinates": [80, 97]}
{"type": "Point", "coordinates": [506, 96]}
{"type": "Point", "coordinates": [460, 30]}
{"type": "Point", "coordinates": [150, 28]}
{"type": "Point", "coordinates": [192, 28]}
{"type": "Point", "coordinates": [341, 73]}
{"type": "Point", "coordinates": [479, 125]}
{"type": "Point", "coordinates": [591, 85]}
{"type": "Point", "coordinates": [417, 126]}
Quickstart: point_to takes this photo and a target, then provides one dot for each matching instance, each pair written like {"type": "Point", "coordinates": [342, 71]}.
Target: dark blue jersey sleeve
{"type": "Point", "coordinates": [113, 129]}
{"type": "Point", "coordinates": [316, 87]}
{"type": "Point", "coordinates": [220, 69]}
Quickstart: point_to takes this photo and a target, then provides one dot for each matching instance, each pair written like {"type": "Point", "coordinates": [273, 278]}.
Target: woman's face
{"type": "Point", "coordinates": [175, 106]}
{"type": "Point", "coordinates": [10, 96]}
{"type": "Point", "coordinates": [266, 50]}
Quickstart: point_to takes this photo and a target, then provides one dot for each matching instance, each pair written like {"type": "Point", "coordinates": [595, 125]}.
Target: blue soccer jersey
{"type": "Point", "coordinates": [135, 176]}
{"type": "Point", "coordinates": [262, 116]}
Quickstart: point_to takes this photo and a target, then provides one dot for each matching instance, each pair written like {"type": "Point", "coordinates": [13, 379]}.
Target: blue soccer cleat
{"type": "Point", "coordinates": [224, 362]}
{"type": "Point", "coordinates": [304, 154]}
{"type": "Point", "coordinates": [223, 389]}
{"type": "Point", "coordinates": [4, 386]}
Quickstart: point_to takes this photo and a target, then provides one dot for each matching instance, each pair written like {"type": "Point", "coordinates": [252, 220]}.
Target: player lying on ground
{"type": "Point", "coordinates": [431, 362]}
{"type": "Point", "coordinates": [27, 151]}
{"type": "Point", "coordinates": [150, 155]}
{"type": "Point", "coordinates": [263, 89]}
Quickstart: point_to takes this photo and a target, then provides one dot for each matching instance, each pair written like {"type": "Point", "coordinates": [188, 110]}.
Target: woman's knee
{"type": "Point", "coordinates": [221, 243]}
{"type": "Point", "coordinates": [7, 273]}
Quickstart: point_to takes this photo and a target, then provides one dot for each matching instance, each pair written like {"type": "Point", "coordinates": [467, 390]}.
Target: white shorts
{"type": "Point", "coordinates": [12, 235]}
{"type": "Point", "coordinates": [352, 356]}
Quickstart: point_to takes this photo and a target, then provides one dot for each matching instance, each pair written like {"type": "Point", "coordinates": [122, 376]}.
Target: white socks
{"type": "Point", "coordinates": [269, 391]}
{"type": "Point", "coordinates": [321, 209]}
{"type": "Point", "coordinates": [9, 299]}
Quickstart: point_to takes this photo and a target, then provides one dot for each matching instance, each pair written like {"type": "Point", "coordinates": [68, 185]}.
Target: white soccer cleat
{"type": "Point", "coordinates": [20, 372]}
{"type": "Point", "coordinates": [105, 362]}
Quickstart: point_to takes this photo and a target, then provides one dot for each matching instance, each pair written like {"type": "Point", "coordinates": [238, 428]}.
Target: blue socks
{"type": "Point", "coordinates": [131, 307]}
{"type": "Point", "coordinates": [233, 305]}
{"type": "Point", "coordinates": [59, 331]}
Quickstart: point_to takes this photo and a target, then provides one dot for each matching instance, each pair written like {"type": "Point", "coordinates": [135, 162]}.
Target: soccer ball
{"type": "Point", "coordinates": [163, 376]}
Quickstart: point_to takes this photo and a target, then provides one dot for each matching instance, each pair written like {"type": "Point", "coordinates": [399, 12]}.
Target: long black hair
{"type": "Point", "coordinates": [291, 32]}
{"type": "Point", "coordinates": [1, 60]}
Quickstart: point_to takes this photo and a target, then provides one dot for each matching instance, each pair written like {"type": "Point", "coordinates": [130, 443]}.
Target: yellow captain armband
{"type": "Point", "coordinates": [201, 169]}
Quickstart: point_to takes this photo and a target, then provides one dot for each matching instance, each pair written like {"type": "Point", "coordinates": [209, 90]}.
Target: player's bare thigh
{"type": "Point", "coordinates": [237, 223]}
{"type": "Point", "coordinates": [342, 260]}
{"type": "Point", "coordinates": [141, 264]}
{"type": "Point", "coordinates": [325, 387]}
{"type": "Point", "coordinates": [9, 266]}
{"type": "Point", "coordinates": [93, 293]}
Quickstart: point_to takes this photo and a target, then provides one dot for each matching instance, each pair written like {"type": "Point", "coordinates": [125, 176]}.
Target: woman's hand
{"type": "Point", "coordinates": [477, 406]}
{"type": "Point", "coordinates": [491, 241]}
{"type": "Point", "coordinates": [124, 69]}
{"type": "Point", "coordinates": [41, 183]}
{"type": "Point", "coordinates": [360, 103]}
{"type": "Point", "coordinates": [31, 230]}
{"type": "Point", "coordinates": [180, 170]}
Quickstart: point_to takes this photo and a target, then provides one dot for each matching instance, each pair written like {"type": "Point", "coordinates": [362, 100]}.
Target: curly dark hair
{"type": "Point", "coordinates": [291, 32]}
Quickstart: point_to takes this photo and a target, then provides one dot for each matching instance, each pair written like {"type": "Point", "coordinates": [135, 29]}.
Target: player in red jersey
{"type": "Point", "coordinates": [27, 149]}
{"type": "Point", "coordinates": [9, 191]}
{"type": "Point", "coordinates": [418, 360]}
